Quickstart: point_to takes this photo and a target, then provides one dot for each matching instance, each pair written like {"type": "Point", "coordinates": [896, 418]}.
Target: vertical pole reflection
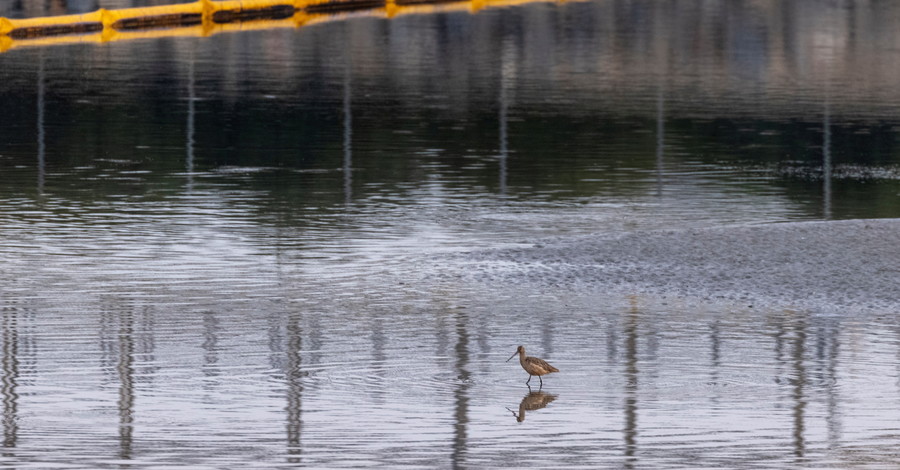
{"type": "Point", "coordinates": [293, 375]}
{"type": "Point", "coordinates": [507, 77]}
{"type": "Point", "coordinates": [826, 159]}
{"type": "Point", "coordinates": [660, 137]}
{"type": "Point", "coordinates": [10, 378]}
{"type": "Point", "coordinates": [779, 348]}
{"type": "Point", "coordinates": [41, 136]}
{"type": "Point", "coordinates": [716, 355]}
{"type": "Point", "coordinates": [631, 385]}
{"type": "Point", "coordinates": [191, 116]}
{"type": "Point", "coordinates": [378, 356]}
{"type": "Point", "coordinates": [829, 354]}
{"type": "Point", "coordinates": [125, 368]}
{"type": "Point", "coordinates": [661, 55]}
{"type": "Point", "coordinates": [897, 342]}
{"type": "Point", "coordinates": [348, 135]}
{"type": "Point", "coordinates": [210, 344]}
{"type": "Point", "coordinates": [829, 57]}
{"type": "Point", "coordinates": [799, 385]}
{"type": "Point", "coordinates": [461, 394]}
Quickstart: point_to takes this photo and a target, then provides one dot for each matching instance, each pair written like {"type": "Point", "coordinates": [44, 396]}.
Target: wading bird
{"type": "Point", "coordinates": [533, 365]}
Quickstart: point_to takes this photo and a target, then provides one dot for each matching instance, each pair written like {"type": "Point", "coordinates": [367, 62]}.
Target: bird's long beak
{"type": "Point", "coordinates": [514, 355]}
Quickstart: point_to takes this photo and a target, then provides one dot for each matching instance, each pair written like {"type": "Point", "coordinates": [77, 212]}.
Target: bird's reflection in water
{"type": "Point", "coordinates": [531, 402]}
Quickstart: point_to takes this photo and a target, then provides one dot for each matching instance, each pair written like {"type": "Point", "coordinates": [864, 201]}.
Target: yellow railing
{"type": "Point", "coordinates": [205, 17]}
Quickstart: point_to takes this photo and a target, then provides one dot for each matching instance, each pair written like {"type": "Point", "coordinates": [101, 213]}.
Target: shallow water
{"type": "Point", "coordinates": [246, 250]}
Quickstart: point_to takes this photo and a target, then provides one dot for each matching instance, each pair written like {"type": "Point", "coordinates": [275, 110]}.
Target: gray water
{"type": "Point", "coordinates": [317, 247]}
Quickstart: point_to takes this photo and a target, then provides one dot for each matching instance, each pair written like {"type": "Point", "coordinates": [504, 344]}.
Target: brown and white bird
{"type": "Point", "coordinates": [533, 365]}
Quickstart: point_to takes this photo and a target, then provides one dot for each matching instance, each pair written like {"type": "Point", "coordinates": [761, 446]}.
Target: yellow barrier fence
{"type": "Point", "coordinates": [68, 24]}
{"type": "Point", "coordinates": [202, 11]}
{"type": "Point", "coordinates": [204, 17]}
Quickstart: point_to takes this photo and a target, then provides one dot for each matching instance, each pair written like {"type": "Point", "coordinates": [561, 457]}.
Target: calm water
{"type": "Point", "coordinates": [230, 252]}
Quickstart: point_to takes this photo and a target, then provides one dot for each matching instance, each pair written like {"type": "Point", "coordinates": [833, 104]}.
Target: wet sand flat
{"type": "Point", "coordinates": [824, 266]}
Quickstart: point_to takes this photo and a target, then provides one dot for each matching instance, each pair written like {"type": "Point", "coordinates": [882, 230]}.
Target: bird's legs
{"type": "Point", "coordinates": [529, 379]}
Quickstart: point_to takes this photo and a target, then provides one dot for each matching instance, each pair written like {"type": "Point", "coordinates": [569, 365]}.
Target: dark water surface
{"type": "Point", "coordinates": [231, 252]}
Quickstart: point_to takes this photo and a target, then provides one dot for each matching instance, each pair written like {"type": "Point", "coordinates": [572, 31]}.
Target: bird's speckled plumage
{"type": "Point", "coordinates": [533, 365]}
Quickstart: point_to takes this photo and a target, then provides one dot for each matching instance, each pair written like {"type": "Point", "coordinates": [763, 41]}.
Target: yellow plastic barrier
{"type": "Point", "coordinates": [205, 17]}
{"type": "Point", "coordinates": [337, 6]}
{"type": "Point", "coordinates": [246, 10]}
{"type": "Point", "coordinates": [250, 5]}
{"type": "Point", "coordinates": [54, 25]}
{"type": "Point", "coordinates": [148, 17]}
{"type": "Point", "coordinates": [201, 11]}
{"type": "Point", "coordinates": [165, 15]}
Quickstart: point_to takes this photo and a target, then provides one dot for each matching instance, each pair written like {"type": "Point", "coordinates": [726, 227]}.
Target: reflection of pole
{"type": "Point", "coordinates": [829, 56]}
{"type": "Point", "coordinates": [10, 378]}
{"type": "Point", "coordinates": [631, 386]}
{"type": "Point", "coordinates": [799, 383]}
{"type": "Point", "coordinates": [348, 137]}
{"type": "Point", "coordinates": [210, 344]}
{"type": "Point", "coordinates": [191, 114]}
{"type": "Point", "coordinates": [378, 356]}
{"type": "Point", "coordinates": [716, 354]}
{"type": "Point", "coordinates": [830, 355]}
{"type": "Point", "coordinates": [898, 359]}
{"type": "Point", "coordinates": [125, 368]}
{"type": "Point", "coordinates": [826, 161]}
{"type": "Point", "coordinates": [661, 54]}
{"type": "Point", "coordinates": [293, 374]}
{"type": "Point", "coordinates": [612, 341]}
{"type": "Point", "coordinates": [41, 146]}
{"type": "Point", "coordinates": [507, 77]}
{"type": "Point", "coordinates": [460, 438]}
{"type": "Point", "coordinates": [660, 138]}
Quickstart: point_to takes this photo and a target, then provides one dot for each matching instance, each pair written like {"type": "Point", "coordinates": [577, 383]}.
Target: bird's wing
{"type": "Point", "coordinates": [542, 364]}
